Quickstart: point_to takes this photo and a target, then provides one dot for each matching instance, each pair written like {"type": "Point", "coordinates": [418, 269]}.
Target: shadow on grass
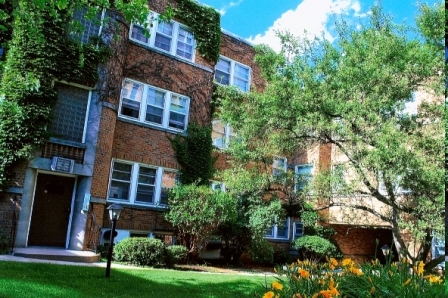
{"type": "Point", "coordinates": [49, 280]}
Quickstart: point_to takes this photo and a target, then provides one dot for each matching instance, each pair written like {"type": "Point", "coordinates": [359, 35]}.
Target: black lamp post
{"type": "Point", "coordinates": [386, 252]}
{"type": "Point", "coordinates": [114, 214]}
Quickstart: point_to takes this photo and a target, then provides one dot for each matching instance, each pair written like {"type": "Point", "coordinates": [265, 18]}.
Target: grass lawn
{"type": "Point", "coordinates": [49, 280]}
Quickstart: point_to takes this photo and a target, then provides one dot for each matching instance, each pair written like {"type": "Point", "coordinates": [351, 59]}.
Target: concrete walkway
{"type": "Point", "coordinates": [57, 256]}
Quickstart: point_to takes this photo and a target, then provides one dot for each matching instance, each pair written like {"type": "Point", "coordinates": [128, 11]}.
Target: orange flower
{"type": "Point", "coordinates": [325, 294]}
{"type": "Point", "coordinates": [356, 271]}
{"type": "Point", "coordinates": [372, 290]}
{"type": "Point", "coordinates": [297, 296]}
{"type": "Point", "coordinates": [419, 268]}
{"type": "Point", "coordinates": [347, 262]}
{"type": "Point", "coordinates": [304, 274]}
{"type": "Point", "coordinates": [269, 294]}
{"type": "Point", "coordinates": [407, 282]}
{"type": "Point", "coordinates": [277, 286]}
{"type": "Point", "coordinates": [333, 262]}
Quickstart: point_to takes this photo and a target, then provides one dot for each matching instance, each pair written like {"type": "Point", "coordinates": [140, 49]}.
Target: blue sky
{"type": "Point", "coordinates": [256, 20]}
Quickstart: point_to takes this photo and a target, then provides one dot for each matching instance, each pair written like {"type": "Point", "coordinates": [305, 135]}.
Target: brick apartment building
{"type": "Point", "coordinates": [114, 148]}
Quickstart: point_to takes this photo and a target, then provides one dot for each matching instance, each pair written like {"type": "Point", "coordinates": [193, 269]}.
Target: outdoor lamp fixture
{"type": "Point", "coordinates": [114, 214]}
{"type": "Point", "coordinates": [385, 249]}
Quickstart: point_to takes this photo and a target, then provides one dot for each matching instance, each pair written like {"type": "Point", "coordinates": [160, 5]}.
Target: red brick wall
{"type": "Point", "coordinates": [143, 145]}
{"type": "Point", "coordinates": [139, 220]}
{"type": "Point", "coordinates": [360, 243]}
{"type": "Point", "coordinates": [244, 53]}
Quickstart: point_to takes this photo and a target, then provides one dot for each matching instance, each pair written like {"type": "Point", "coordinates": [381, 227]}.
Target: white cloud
{"type": "Point", "coordinates": [226, 7]}
{"type": "Point", "coordinates": [311, 16]}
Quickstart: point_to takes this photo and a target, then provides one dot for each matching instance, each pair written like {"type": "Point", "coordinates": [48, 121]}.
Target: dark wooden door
{"type": "Point", "coordinates": [51, 210]}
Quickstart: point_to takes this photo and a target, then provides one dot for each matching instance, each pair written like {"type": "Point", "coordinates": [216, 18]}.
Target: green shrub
{"type": "Point", "coordinates": [4, 243]}
{"type": "Point", "coordinates": [315, 248]}
{"type": "Point", "coordinates": [140, 252]}
{"type": "Point", "coordinates": [281, 257]}
{"type": "Point", "coordinates": [175, 254]}
{"type": "Point", "coordinates": [261, 251]}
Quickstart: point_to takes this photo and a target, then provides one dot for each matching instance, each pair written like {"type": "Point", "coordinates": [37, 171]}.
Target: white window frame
{"type": "Point", "coordinates": [174, 43]}
{"type": "Point", "coordinates": [295, 233]}
{"type": "Point", "coordinates": [134, 184]}
{"type": "Point", "coordinates": [232, 74]}
{"type": "Point", "coordinates": [278, 170]}
{"type": "Point", "coordinates": [274, 231]}
{"type": "Point", "coordinates": [143, 105]}
{"type": "Point", "coordinates": [222, 143]}
{"type": "Point", "coordinates": [296, 170]}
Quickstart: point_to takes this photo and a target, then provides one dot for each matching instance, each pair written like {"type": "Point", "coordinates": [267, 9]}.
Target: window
{"type": "Point", "coordinates": [298, 230]}
{"type": "Point", "coordinates": [140, 184]}
{"type": "Point", "coordinates": [171, 37]}
{"type": "Point", "coordinates": [338, 183]}
{"type": "Point", "coordinates": [232, 73]}
{"type": "Point", "coordinates": [154, 106]}
{"type": "Point", "coordinates": [278, 231]}
{"type": "Point", "coordinates": [221, 134]}
{"type": "Point", "coordinates": [216, 185]}
{"type": "Point", "coordinates": [70, 113]}
{"type": "Point", "coordinates": [303, 176]}
{"type": "Point", "coordinates": [279, 166]}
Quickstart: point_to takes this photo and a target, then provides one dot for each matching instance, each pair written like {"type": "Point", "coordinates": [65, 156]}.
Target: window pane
{"type": "Point", "coordinates": [69, 113]}
{"type": "Point", "coordinates": [303, 176]}
{"type": "Point", "coordinates": [138, 34]}
{"type": "Point", "coordinates": [269, 232]}
{"type": "Point", "coordinates": [282, 230]}
{"type": "Point", "coordinates": [131, 94]}
{"type": "Point", "coordinates": [122, 171]}
{"type": "Point", "coordinates": [146, 185]}
{"type": "Point", "coordinates": [177, 120]}
{"type": "Point", "coordinates": [156, 103]}
{"type": "Point", "coordinates": [178, 112]}
{"type": "Point", "coordinates": [169, 180]}
{"type": "Point", "coordinates": [185, 42]}
{"type": "Point", "coordinates": [241, 84]}
{"type": "Point", "coordinates": [222, 72]}
{"type": "Point", "coordinates": [120, 181]}
{"type": "Point", "coordinates": [145, 194]}
{"type": "Point", "coordinates": [119, 190]}
{"type": "Point", "coordinates": [241, 72]}
{"type": "Point", "coordinates": [163, 36]}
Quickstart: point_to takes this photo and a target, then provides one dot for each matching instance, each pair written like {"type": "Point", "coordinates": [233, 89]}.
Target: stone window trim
{"type": "Point", "coordinates": [148, 105]}
{"type": "Point", "coordinates": [172, 38]}
{"type": "Point", "coordinates": [139, 185]}
{"type": "Point", "coordinates": [228, 72]}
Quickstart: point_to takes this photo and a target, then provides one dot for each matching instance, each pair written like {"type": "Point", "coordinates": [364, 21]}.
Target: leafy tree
{"type": "Point", "coordinates": [196, 212]}
{"type": "Point", "coordinates": [352, 94]}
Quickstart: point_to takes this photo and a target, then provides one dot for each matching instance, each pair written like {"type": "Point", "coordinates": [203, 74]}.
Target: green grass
{"type": "Point", "coordinates": [50, 280]}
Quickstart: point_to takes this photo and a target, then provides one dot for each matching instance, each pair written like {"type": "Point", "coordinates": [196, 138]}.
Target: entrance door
{"type": "Point", "coordinates": [51, 210]}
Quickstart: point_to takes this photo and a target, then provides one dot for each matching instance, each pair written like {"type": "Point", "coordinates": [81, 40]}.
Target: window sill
{"type": "Point", "coordinates": [141, 207]}
{"type": "Point", "coordinates": [130, 121]}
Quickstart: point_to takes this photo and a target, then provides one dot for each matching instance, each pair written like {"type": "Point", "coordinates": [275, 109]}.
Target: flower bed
{"type": "Point", "coordinates": [347, 279]}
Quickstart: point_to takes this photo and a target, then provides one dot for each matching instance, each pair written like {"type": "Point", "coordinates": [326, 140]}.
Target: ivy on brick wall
{"type": "Point", "coordinates": [194, 154]}
{"type": "Point", "coordinates": [39, 53]}
{"type": "Point", "coordinates": [206, 25]}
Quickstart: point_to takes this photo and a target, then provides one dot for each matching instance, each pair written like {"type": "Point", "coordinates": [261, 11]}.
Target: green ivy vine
{"type": "Point", "coordinates": [39, 53]}
{"type": "Point", "coordinates": [194, 154]}
{"type": "Point", "coordinates": [206, 25]}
